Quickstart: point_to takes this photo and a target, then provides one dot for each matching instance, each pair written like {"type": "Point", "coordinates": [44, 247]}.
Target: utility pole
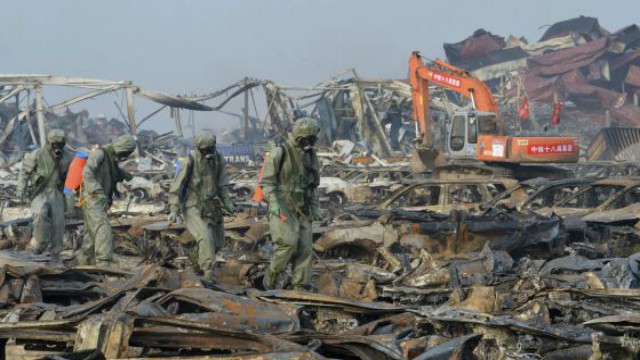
{"type": "Point", "coordinates": [40, 116]}
{"type": "Point", "coordinates": [245, 115]}
{"type": "Point", "coordinates": [131, 114]}
{"type": "Point", "coordinates": [175, 114]}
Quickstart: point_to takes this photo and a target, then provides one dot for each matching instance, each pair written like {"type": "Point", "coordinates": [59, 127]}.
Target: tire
{"type": "Point", "coordinates": [243, 193]}
{"type": "Point", "coordinates": [336, 200]}
{"type": "Point", "coordinates": [139, 195]}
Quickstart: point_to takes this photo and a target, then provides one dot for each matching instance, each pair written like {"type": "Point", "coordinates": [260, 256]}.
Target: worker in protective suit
{"type": "Point", "coordinates": [100, 176]}
{"type": "Point", "coordinates": [200, 191]}
{"type": "Point", "coordinates": [289, 181]}
{"type": "Point", "coordinates": [42, 179]}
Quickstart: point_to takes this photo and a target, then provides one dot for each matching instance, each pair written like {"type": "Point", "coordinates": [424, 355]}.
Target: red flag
{"type": "Point", "coordinates": [523, 111]}
{"type": "Point", "coordinates": [555, 115]}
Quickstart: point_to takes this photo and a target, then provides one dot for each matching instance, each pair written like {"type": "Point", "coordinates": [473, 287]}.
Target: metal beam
{"type": "Point", "coordinates": [131, 114]}
{"type": "Point", "coordinates": [245, 116]}
{"type": "Point", "coordinates": [84, 97]}
{"type": "Point", "coordinates": [12, 93]}
{"type": "Point", "coordinates": [151, 115]}
{"type": "Point", "coordinates": [40, 116]}
{"type": "Point", "coordinates": [19, 79]}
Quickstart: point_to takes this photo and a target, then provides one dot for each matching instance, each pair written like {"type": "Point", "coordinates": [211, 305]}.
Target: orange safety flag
{"type": "Point", "coordinates": [259, 194]}
{"type": "Point", "coordinates": [555, 115]}
{"type": "Point", "coordinates": [523, 111]}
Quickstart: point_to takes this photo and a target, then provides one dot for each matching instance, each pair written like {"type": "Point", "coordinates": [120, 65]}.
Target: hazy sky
{"type": "Point", "coordinates": [187, 46]}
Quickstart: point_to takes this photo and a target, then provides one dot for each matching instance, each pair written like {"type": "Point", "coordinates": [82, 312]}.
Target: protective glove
{"type": "Point", "coordinates": [20, 196]}
{"type": "Point", "coordinates": [173, 216]}
{"type": "Point", "coordinates": [316, 213]}
{"type": "Point", "coordinates": [229, 207]}
{"type": "Point", "coordinates": [274, 208]}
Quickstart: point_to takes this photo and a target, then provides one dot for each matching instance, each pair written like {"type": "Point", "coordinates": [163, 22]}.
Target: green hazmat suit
{"type": "Point", "coordinates": [200, 191]}
{"type": "Point", "coordinates": [289, 182]}
{"type": "Point", "coordinates": [100, 177]}
{"type": "Point", "coordinates": [42, 179]}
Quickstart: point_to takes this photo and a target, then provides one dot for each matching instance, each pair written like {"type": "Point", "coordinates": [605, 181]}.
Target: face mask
{"type": "Point", "coordinates": [208, 152]}
{"type": "Point", "coordinates": [122, 156]}
{"type": "Point", "coordinates": [58, 148]}
{"type": "Point", "coordinates": [306, 143]}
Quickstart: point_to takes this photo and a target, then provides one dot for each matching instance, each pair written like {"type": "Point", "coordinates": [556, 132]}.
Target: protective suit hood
{"type": "Point", "coordinates": [304, 127]}
{"type": "Point", "coordinates": [124, 144]}
{"type": "Point", "coordinates": [204, 139]}
{"type": "Point", "coordinates": [56, 136]}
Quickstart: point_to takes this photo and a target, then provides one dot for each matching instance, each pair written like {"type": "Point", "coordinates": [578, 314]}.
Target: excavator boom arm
{"type": "Point", "coordinates": [420, 97]}
{"type": "Point", "coordinates": [452, 78]}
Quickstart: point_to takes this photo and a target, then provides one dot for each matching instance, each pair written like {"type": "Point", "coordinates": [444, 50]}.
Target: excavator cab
{"type": "Point", "coordinates": [463, 130]}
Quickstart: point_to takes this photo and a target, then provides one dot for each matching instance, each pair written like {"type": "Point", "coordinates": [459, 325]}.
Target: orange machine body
{"type": "Point", "coordinates": [528, 149]}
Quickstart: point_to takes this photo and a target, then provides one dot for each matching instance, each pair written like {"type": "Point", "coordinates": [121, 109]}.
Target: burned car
{"type": "Point", "coordinates": [617, 231]}
{"type": "Point", "coordinates": [602, 196]}
{"type": "Point", "coordinates": [555, 192]}
{"type": "Point", "coordinates": [361, 188]}
{"type": "Point", "coordinates": [142, 189]}
{"type": "Point", "coordinates": [370, 231]}
{"type": "Point", "coordinates": [244, 184]}
{"type": "Point", "coordinates": [538, 193]}
{"type": "Point", "coordinates": [443, 195]}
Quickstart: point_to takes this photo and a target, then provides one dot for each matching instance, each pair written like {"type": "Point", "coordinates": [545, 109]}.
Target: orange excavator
{"type": "Point", "coordinates": [477, 134]}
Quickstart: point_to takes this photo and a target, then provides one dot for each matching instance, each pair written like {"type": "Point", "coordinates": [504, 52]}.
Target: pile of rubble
{"type": "Point", "coordinates": [450, 267]}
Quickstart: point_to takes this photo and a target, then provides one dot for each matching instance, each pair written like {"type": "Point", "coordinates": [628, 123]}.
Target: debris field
{"type": "Point", "coordinates": [468, 261]}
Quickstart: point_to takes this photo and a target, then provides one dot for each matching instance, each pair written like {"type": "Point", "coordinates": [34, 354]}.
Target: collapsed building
{"type": "Point", "coordinates": [24, 122]}
{"type": "Point", "coordinates": [352, 108]}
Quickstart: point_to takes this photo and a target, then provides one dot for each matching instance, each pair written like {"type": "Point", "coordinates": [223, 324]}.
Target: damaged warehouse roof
{"type": "Point", "coordinates": [13, 85]}
{"type": "Point", "coordinates": [583, 25]}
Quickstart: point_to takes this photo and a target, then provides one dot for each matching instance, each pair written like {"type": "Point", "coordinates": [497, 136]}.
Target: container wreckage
{"type": "Point", "coordinates": [465, 261]}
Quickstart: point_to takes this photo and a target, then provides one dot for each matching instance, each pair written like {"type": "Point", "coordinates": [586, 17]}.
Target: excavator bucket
{"type": "Point", "coordinates": [425, 159]}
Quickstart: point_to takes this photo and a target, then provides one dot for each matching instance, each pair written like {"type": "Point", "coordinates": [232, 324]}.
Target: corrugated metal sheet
{"type": "Point", "coordinates": [172, 101]}
{"type": "Point", "coordinates": [495, 57]}
{"type": "Point", "coordinates": [611, 141]}
{"type": "Point", "coordinates": [563, 61]}
{"type": "Point", "coordinates": [582, 25]}
{"type": "Point", "coordinates": [479, 44]}
{"type": "Point", "coordinates": [633, 76]}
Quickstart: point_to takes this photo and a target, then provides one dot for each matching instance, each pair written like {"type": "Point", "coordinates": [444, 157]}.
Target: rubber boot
{"type": "Point", "coordinates": [55, 260]}
{"type": "Point", "coordinates": [269, 280]}
{"type": "Point", "coordinates": [300, 288]}
{"type": "Point", "coordinates": [208, 274]}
